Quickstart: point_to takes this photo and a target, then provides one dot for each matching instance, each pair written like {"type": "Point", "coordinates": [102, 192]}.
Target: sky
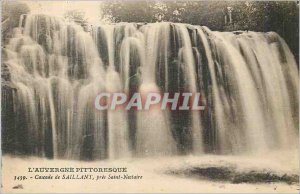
{"type": "Point", "coordinates": [92, 9]}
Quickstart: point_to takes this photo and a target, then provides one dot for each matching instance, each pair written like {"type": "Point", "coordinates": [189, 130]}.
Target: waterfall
{"type": "Point", "coordinates": [247, 80]}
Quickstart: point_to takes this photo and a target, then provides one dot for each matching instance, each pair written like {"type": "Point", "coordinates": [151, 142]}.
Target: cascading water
{"type": "Point", "coordinates": [249, 83]}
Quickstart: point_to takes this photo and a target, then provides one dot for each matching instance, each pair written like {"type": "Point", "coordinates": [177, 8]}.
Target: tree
{"type": "Point", "coordinates": [11, 13]}
{"type": "Point", "coordinates": [75, 15]}
{"type": "Point", "coordinates": [13, 10]}
{"type": "Point", "coordinates": [131, 11]}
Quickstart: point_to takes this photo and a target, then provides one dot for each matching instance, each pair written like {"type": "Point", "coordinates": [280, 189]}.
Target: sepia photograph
{"type": "Point", "coordinates": [149, 96]}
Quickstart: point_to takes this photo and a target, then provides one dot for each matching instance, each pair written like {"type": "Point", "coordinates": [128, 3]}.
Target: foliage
{"type": "Point", "coordinates": [131, 11]}
{"type": "Point", "coordinates": [75, 15]}
{"type": "Point", "coordinates": [13, 10]}
{"type": "Point", "coordinates": [194, 12]}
